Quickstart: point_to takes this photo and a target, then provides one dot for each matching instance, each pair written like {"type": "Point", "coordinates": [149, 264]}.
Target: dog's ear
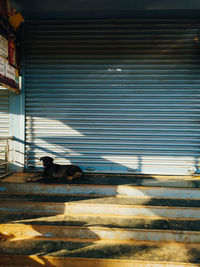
{"type": "Point", "coordinates": [41, 158]}
{"type": "Point", "coordinates": [51, 159]}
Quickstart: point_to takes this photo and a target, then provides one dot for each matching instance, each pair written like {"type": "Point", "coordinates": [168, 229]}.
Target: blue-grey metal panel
{"type": "Point", "coordinates": [119, 96]}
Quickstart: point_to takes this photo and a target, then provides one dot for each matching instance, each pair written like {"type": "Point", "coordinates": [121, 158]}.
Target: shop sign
{"type": "Point", "coordinates": [3, 47]}
{"type": "Point", "coordinates": [12, 53]}
{"type": "Point", "coordinates": [8, 74]}
{"type": "Point", "coordinates": [2, 66]}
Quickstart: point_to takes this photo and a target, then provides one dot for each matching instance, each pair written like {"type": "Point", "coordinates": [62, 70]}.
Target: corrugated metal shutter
{"type": "Point", "coordinates": [4, 122]}
{"type": "Point", "coordinates": [119, 96]}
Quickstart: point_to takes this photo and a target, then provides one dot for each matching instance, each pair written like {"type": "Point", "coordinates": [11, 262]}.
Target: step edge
{"type": "Point", "coordinates": [94, 196]}
{"type": "Point", "coordinates": [88, 262]}
{"type": "Point", "coordinates": [100, 196]}
{"type": "Point", "coordinates": [97, 205]}
{"type": "Point", "coordinates": [103, 215]}
{"type": "Point", "coordinates": [99, 185]}
{"type": "Point", "coordinates": [100, 228]}
{"type": "Point", "coordinates": [104, 241]}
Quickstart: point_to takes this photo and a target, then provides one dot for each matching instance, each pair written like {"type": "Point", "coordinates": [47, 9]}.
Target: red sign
{"type": "Point", "coordinates": [12, 53]}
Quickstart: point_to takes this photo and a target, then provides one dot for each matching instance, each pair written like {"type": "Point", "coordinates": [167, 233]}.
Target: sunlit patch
{"type": "Point", "coordinates": [39, 260]}
{"type": "Point", "coordinates": [18, 232]}
{"type": "Point", "coordinates": [156, 164]}
{"type": "Point", "coordinates": [114, 69]}
{"type": "Point", "coordinates": [54, 128]}
{"type": "Point", "coordinates": [197, 39]}
{"type": "Point", "coordinates": [129, 191]}
{"type": "Point", "coordinates": [128, 161]}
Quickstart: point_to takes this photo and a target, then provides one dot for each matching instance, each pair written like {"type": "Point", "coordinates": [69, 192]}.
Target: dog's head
{"type": "Point", "coordinates": [46, 161]}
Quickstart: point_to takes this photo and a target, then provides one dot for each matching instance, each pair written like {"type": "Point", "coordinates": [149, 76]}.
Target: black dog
{"type": "Point", "coordinates": [51, 170]}
{"type": "Point", "coordinates": [70, 172]}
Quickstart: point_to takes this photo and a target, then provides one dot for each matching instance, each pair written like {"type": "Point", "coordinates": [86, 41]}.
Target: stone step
{"type": "Point", "coordinates": [38, 252]}
{"type": "Point", "coordinates": [101, 190]}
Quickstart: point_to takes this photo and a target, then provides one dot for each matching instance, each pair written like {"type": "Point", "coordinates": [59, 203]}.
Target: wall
{"type": "Point", "coordinates": [59, 9]}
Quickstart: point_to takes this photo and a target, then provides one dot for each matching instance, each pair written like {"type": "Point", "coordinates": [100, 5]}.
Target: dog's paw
{"type": "Point", "coordinates": [29, 179]}
{"type": "Point", "coordinates": [70, 178]}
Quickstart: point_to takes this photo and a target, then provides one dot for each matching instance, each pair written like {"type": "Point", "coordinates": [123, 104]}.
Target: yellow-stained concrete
{"type": "Point", "coordinates": [39, 261]}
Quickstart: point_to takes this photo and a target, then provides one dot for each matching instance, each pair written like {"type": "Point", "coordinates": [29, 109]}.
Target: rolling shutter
{"type": "Point", "coordinates": [114, 96]}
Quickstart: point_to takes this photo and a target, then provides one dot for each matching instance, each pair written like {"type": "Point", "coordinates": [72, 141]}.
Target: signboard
{"type": "Point", "coordinates": [3, 47]}
{"type": "Point", "coordinates": [10, 71]}
{"type": "Point", "coordinates": [12, 53]}
{"type": "Point", "coordinates": [8, 75]}
{"type": "Point", "coordinates": [2, 66]}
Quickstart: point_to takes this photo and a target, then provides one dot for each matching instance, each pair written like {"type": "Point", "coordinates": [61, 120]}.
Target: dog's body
{"type": "Point", "coordinates": [51, 170]}
{"type": "Point", "coordinates": [70, 172]}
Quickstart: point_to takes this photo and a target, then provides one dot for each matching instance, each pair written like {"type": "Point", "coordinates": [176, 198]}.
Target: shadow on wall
{"type": "Point", "coordinates": [162, 162]}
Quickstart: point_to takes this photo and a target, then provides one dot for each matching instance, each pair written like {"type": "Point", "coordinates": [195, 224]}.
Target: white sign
{"type": "Point", "coordinates": [7, 71]}
{"type": "Point", "coordinates": [10, 71]}
{"type": "Point", "coordinates": [2, 66]}
{"type": "Point", "coordinates": [3, 47]}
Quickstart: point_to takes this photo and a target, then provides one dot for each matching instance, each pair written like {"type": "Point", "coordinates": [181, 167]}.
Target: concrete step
{"type": "Point", "coordinates": [182, 181]}
{"type": "Point", "coordinates": [34, 260]}
{"type": "Point", "coordinates": [75, 219]}
{"type": "Point", "coordinates": [99, 227]}
{"type": "Point", "coordinates": [38, 252]}
{"type": "Point", "coordinates": [119, 200]}
{"type": "Point", "coordinates": [98, 233]}
{"type": "Point", "coordinates": [99, 221]}
{"type": "Point", "coordinates": [101, 209]}
{"type": "Point", "coordinates": [101, 190]}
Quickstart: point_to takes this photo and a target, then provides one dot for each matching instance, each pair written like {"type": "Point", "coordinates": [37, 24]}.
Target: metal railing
{"type": "Point", "coordinates": [5, 156]}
